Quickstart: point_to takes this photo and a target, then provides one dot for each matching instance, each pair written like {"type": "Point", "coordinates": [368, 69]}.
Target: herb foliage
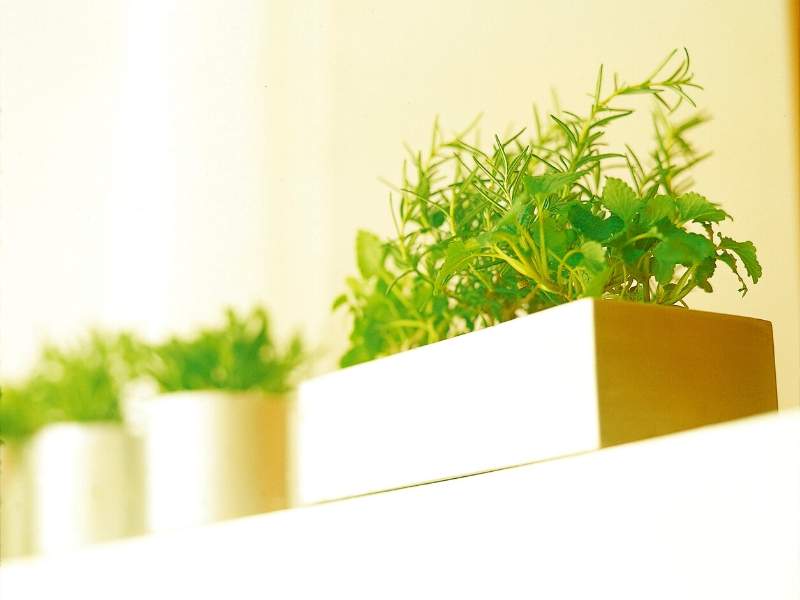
{"type": "Point", "coordinates": [484, 235]}
{"type": "Point", "coordinates": [239, 355]}
{"type": "Point", "coordinates": [84, 382]}
{"type": "Point", "coordinates": [79, 383]}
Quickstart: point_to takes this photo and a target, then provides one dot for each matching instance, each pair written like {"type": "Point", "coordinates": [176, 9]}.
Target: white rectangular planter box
{"type": "Point", "coordinates": [569, 379]}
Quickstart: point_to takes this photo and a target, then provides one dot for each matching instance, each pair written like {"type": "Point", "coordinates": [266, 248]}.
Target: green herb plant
{"type": "Point", "coordinates": [239, 355]}
{"type": "Point", "coordinates": [79, 383]}
{"type": "Point", "coordinates": [484, 235]}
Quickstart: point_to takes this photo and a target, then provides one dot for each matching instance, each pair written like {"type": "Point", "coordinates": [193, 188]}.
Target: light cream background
{"type": "Point", "coordinates": [161, 159]}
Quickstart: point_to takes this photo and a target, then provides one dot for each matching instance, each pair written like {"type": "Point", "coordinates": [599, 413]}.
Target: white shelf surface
{"type": "Point", "coordinates": [710, 513]}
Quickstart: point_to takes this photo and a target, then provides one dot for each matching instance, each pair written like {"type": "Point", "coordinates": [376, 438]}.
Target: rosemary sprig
{"type": "Point", "coordinates": [487, 234]}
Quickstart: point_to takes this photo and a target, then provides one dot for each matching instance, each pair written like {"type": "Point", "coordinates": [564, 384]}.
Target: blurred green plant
{"type": "Point", "coordinates": [79, 383]}
{"type": "Point", "coordinates": [84, 382]}
{"type": "Point", "coordinates": [239, 355]}
{"type": "Point", "coordinates": [482, 236]}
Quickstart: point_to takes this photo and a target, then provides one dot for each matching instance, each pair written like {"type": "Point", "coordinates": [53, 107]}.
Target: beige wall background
{"type": "Point", "coordinates": [161, 159]}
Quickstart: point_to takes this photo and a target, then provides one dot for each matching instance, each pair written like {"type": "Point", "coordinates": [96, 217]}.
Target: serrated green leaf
{"type": "Point", "coordinates": [369, 253]}
{"type": "Point", "coordinates": [663, 271]}
{"type": "Point", "coordinates": [705, 270]}
{"type": "Point", "coordinates": [684, 248]}
{"type": "Point", "coordinates": [590, 263]}
{"type": "Point", "coordinates": [594, 256]}
{"type": "Point", "coordinates": [620, 199]}
{"type": "Point", "coordinates": [697, 208]}
{"type": "Point", "coordinates": [458, 254]}
{"type": "Point", "coordinates": [680, 248]}
{"type": "Point", "coordinates": [596, 282]}
{"type": "Point", "coordinates": [631, 254]}
{"type": "Point", "coordinates": [592, 226]}
{"type": "Point", "coordinates": [730, 260]}
{"type": "Point", "coordinates": [667, 228]}
{"type": "Point", "coordinates": [557, 239]}
{"type": "Point", "coordinates": [657, 208]}
{"type": "Point", "coordinates": [746, 251]}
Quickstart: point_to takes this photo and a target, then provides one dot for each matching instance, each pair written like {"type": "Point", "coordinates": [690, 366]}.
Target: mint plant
{"type": "Point", "coordinates": [485, 235]}
{"type": "Point", "coordinates": [241, 354]}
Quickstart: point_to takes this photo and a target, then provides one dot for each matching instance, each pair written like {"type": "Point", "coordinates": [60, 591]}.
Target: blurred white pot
{"type": "Point", "coordinates": [85, 486]}
{"type": "Point", "coordinates": [213, 455]}
{"type": "Point", "coordinates": [14, 501]}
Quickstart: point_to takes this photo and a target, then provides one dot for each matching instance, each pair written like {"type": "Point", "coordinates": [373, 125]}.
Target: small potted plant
{"type": "Point", "coordinates": [70, 471]}
{"type": "Point", "coordinates": [611, 241]}
{"type": "Point", "coordinates": [216, 437]}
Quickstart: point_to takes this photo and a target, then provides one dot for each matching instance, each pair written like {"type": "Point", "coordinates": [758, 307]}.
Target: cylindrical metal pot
{"type": "Point", "coordinates": [84, 484]}
{"type": "Point", "coordinates": [213, 455]}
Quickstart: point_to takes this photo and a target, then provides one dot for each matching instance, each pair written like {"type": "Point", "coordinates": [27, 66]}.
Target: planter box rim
{"type": "Point", "coordinates": [540, 315]}
{"type": "Point", "coordinates": [219, 394]}
{"type": "Point", "coordinates": [80, 426]}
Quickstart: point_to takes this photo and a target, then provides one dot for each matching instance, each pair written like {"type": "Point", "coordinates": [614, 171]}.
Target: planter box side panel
{"type": "Point", "coordinates": [665, 369]}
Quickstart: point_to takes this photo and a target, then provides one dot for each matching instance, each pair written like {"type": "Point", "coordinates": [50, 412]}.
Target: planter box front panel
{"type": "Point", "coordinates": [519, 391]}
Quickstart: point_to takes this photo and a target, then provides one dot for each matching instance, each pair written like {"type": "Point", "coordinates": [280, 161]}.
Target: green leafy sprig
{"type": "Point", "coordinates": [239, 355]}
{"type": "Point", "coordinates": [482, 236]}
{"type": "Point", "coordinates": [84, 382]}
{"type": "Point", "coordinates": [79, 383]}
